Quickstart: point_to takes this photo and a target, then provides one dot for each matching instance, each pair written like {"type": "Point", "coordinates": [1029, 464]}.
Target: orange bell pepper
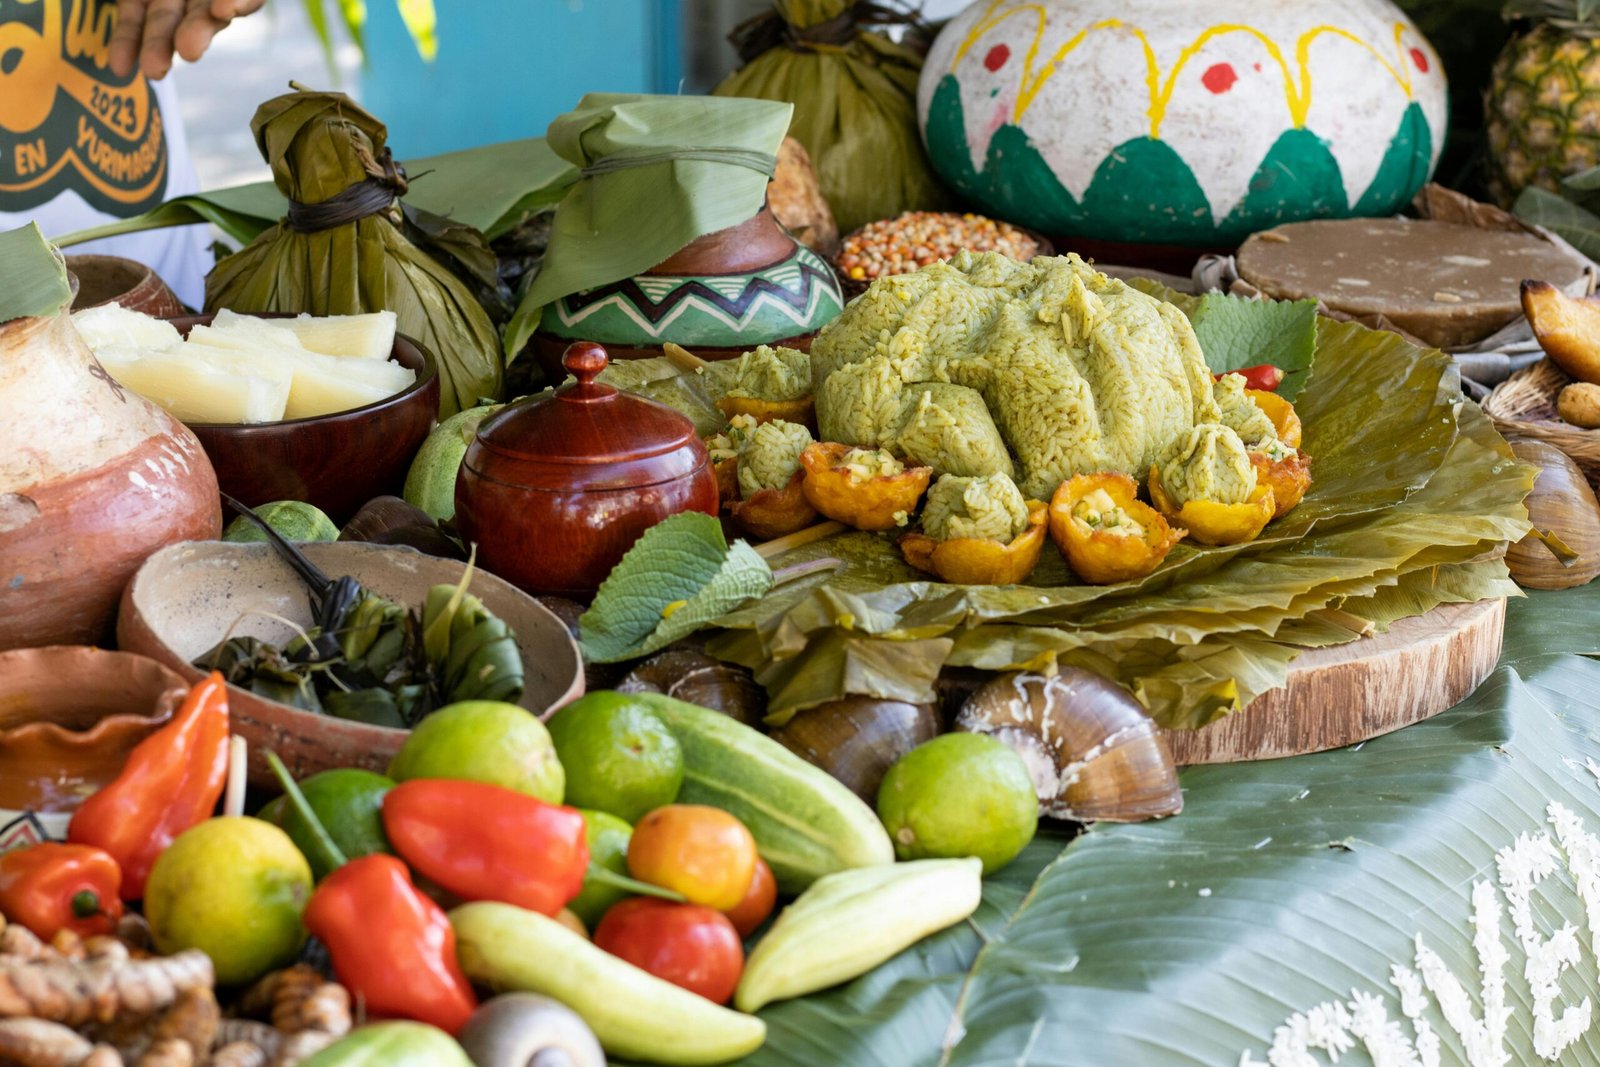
{"type": "Point", "coordinates": [977, 560]}
{"type": "Point", "coordinates": [172, 781]}
{"type": "Point", "coordinates": [868, 505]}
{"type": "Point", "coordinates": [770, 513]}
{"type": "Point", "coordinates": [1101, 555]}
{"type": "Point", "coordinates": [1281, 412]}
{"type": "Point", "coordinates": [1212, 523]}
{"type": "Point", "coordinates": [1288, 478]}
{"type": "Point", "coordinates": [52, 887]}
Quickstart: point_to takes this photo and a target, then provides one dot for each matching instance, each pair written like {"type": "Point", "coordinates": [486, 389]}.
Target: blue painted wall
{"type": "Point", "coordinates": [507, 67]}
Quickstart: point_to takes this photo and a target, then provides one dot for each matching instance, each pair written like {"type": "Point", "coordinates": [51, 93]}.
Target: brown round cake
{"type": "Point", "coordinates": [1444, 283]}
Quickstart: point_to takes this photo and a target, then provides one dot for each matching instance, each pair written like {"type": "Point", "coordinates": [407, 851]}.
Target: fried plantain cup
{"type": "Point", "coordinates": [1099, 554]}
{"type": "Point", "coordinates": [1211, 523]}
{"type": "Point", "coordinates": [770, 513]}
{"type": "Point", "coordinates": [1281, 412]}
{"type": "Point", "coordinates": [803, 410]}
{"type": "Point", "coordinates": [872, 504]}
{"type": "Point", "coordinates": [727, 472]}
{"type": "Point", "coordinates": [977, 560]}
{"type": "Point", "coordinates": [1288, 478]}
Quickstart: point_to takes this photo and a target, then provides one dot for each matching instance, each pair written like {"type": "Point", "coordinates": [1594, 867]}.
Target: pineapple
{"type": "Point", "coordinates": [1542, 107]}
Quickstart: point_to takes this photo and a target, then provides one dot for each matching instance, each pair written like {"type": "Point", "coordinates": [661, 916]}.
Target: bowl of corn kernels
{"type": "Point", "coordinates": [915, 239]}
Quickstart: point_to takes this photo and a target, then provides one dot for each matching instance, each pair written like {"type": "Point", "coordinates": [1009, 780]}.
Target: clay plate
{"type": "Point", "coordinates": [186, 596]}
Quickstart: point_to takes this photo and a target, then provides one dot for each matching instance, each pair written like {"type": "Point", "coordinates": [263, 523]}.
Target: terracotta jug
{"type": "Point", "coordinates": [93, 478]}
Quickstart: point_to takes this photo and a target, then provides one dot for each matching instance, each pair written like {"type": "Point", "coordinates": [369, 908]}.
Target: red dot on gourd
{"type": "Point", "coordinates": [1420, 59]}
{"type": "Point", "coordinates": [997, 57]}
{"type": "Point", "coordinates": [1219, 77]}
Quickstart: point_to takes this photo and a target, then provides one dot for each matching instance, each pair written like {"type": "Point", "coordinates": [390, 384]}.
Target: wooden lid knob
{"type": "Point", "coordinates": [584, 360]}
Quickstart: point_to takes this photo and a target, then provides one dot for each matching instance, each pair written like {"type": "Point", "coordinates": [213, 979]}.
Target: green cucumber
{"type": "Point", "coordinates": [805, 822]}
{"type": "Point", "coordinates": [635, 1015]}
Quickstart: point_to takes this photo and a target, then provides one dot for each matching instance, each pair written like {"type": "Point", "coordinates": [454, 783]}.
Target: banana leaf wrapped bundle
{"type": "Point", "coordinates": [855, 97]}
{"type": "Point", "coordinates": [350, 245]}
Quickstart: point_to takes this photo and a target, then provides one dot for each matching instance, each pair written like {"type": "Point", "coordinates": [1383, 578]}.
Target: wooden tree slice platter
{"type": "Point", "coordinates": [1348, 693]}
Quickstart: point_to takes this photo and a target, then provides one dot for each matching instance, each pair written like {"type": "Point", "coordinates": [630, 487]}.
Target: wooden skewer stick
{"type": "Point", "coordinates": [238, 757]}
{"type": "Point", "coordinates": [682, 357]}
{"type": "Point", "coordinates": [820, 531]}
{"type": "Point", "coordinates": [795, 571]}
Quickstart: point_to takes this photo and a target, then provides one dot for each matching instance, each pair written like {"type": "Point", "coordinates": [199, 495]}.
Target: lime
{"type": "Point", "coordinates": [431, 481]}
{"type": "Point", "coordinates": [233, 887]}
{"type": "Point", "coordinates": [348, 802]}
{"type": "Point", "coordinates": [608, 848]}
{"type": "Point", "coordinates": [294, 520]}
{"type": "Point", "coordinates": [483, 741]}
{"type": "Point", "coordinates": [959, 795]}
{"type": "Point", "coordinates": [618, 754]}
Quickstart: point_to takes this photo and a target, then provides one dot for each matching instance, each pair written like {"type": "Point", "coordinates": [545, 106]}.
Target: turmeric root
{"type": "Point", "coordinates": [97, 989]}
{"type": "Point", "coordinates": [38, 1043]}
{"type": "Point", "coordinates": [238, 1054]}
{"type": "Point", "coordinates": [298, 998]}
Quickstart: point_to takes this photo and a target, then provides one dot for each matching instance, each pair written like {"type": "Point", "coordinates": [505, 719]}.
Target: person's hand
{"type": "Point", "coordinates": [149, 31]}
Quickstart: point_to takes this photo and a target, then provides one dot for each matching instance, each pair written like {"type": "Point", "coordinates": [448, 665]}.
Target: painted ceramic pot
{"type": "Point", "coordinates": [1182, 123]}
{"type": "Point", "coordinates": [720, 295]}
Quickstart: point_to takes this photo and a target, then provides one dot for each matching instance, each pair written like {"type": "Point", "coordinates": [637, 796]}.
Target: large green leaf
{"type": "Point", "coordinates": [33, 278]}
{"type": "Point", "coordinates": [1235, 333]}
{"type": "Point", "coordinates": [1283, 886]}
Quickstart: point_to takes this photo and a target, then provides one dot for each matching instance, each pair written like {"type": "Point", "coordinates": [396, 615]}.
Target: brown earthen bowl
{"type": "Point", "coordinates": [187, 597]}
{"type": "Point", "coordinates": [114, 280]}
{"type": "Point", "coordinates": [69, 716]}
{"type": "Point", "coordinates": [337, 462]}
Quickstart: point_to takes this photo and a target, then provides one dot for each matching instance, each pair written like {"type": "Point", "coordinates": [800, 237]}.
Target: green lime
{"type": "Point", "coordinates": [608, 848]}
{"type": "Point", "coordinates": [233, 887]}
{"type": "Point", "coordinates": [431, 481]}
{"type": "Point", "coordinates": [959, 795]}
{"type": "Point", "coordinates": [483, 741]}
{"type": "Point", "coordinates": [619, 756]}
{"type": "Point", "coordinates": [348, 802]}
{"type": "Point", "coordinates": [294, 520]}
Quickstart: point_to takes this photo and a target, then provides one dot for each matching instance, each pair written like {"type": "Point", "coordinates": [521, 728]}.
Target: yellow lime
{"type": "Point", "coordinates": [233, 887]}
{"type": "Point", "coordinates": [959, 795]}
{"type": "Point", "coordinates": [618, 754]}
{"type": "Point", "coordinates": [483, 741]}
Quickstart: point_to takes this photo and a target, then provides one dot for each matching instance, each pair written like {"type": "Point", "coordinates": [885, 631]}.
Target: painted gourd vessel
{"type": "Point", "coordinates": [1180, 123]}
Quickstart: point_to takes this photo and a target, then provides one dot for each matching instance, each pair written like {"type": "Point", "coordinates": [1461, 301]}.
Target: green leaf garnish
{"type": "Point", "coordinates": [1235, 333]}
{"type": "Point", "coordinates": [679, 576]}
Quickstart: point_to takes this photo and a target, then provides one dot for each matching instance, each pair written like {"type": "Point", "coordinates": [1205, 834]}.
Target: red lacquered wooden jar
{"type": "Point", "coordinates": [557, 488]}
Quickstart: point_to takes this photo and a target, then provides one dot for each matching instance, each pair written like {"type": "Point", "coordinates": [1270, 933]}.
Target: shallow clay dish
{"type": "Point", "coordinates": [69, 716]}
{"type": "Point", "coordinates": [114, 280]}
{"type": "Point", "coordinates": [185, 597]}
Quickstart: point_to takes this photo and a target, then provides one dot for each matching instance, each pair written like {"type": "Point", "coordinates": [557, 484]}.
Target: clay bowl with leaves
{"type": "Point", "coordinates": [190, 598]}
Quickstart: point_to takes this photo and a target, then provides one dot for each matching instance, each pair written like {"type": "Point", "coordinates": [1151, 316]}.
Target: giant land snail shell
{"type": "Point", "coordinates": [696, 678]}
{"type": "Point", "coordinates": [1563, 549]}
{"type": "Point", "coordinates": [857, 738]}
{"type": "Point", "coordinates": [1092, 750]}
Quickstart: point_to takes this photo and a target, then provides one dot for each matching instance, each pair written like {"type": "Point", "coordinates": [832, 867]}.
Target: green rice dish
{"type": "Point", "coordinates": [990, 508]}
{"type": "Point", "coordinates": [948, 428]}
{"type": "Point", "coordinates": [1079, 373]}
{"type": "Point", "coordinates": [1208, 463]}
{"type": "Point", "coordinates": [770, 455]}
{"type": "Point", "coordinates": [865, 464]}
{"type": "Point", "coordinates": [1239, 412]}
{"type": "Point", "coordinates": [775, 374]}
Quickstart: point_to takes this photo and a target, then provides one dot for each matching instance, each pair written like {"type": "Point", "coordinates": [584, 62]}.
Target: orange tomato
{"type": "Point", "coordinates": [758, 902]}
{"type": "Point", "coordinates": [699, 851]}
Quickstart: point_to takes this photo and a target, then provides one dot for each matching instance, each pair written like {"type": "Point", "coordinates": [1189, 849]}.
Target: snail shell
{"type": "Point", "coordinates": [857, 739]}
{"type": "Point", "coordinates": [696, 678]}
{"type": "Point", "coordinates": [1563, 505]}
{"type": "Point", "coordinates": [1093, 751]}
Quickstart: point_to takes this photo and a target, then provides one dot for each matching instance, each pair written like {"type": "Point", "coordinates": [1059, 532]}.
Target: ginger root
{"type": "Point", "coordinates": [98, 988]}
{"type": "Point", "coordinates": [39, 1043]}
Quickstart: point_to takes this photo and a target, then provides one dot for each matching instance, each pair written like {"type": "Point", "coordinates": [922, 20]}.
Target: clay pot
{"type": "Point", "coordinates": [186, 597]}
{"type": "Point", "coordinates": [719, 296]}
{"type": "Point", "coordinates": [69, 716]}
{"type": "Point", "coordinates": [556, 488]}
{"type": "Point", "coordinates": [93, 479]}
{"type": "Point", "coordinates": [114, 280]}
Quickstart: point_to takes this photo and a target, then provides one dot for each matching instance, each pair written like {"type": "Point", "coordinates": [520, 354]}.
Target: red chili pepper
{"type": "Point", "coordinates": [391, 946]}
{"type": "Point", "coordinates": [53, 887]}
{"type": "Point", "coordinates": [1262, 376]}
{"type": "Point", "coordinates": [485, 842]}
{"type": "Point", "coordinates": [172, 781]}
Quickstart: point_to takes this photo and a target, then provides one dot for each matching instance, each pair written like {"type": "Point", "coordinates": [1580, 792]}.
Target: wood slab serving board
{"type": "Point", "coordinates": [1348, 693]}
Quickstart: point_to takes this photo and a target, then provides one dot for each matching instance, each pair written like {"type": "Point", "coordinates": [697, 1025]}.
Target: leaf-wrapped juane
{"type": "Point", "coordinates": [348, 245]}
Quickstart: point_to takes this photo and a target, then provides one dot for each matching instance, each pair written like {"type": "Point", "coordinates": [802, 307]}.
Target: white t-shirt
{"type": "Point", "coordinates": [80, 146]}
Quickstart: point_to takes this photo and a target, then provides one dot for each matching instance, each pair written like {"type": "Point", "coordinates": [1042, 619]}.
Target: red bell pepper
{"type": "Point", "coordinates": [172, 781]}
{"type": "Point", "coordinates": [53, 887]}
{"type": "Point", "coordinates": [390, 944]}
{"type": "Point", "coordinates": [485, 842]}
{"type": "Point", "coordinates": [1263, 376]}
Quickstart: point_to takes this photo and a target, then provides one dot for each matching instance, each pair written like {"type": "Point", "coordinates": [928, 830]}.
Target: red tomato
{"type": "Point", "coordinates": [757, 904]}
{"type": "Point", "coordinates": [685, 944]}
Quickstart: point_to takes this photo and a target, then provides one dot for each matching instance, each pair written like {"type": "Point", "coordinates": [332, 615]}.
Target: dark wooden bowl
{"type": "Point", "coordinates": [112, 279]}
{"type": "Point", "coordinates": [337, 462]}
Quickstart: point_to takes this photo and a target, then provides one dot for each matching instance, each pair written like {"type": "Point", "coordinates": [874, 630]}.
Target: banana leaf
{"type": "Point", "coordinates": [322, 148]}
{"type": "Point", "coordinates": [33, 277]}
{"type": "Point", "coordinates": [1288, 905]}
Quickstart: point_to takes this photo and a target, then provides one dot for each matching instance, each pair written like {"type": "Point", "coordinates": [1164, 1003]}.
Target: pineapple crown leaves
{"type": "Point", "coordinates": [1574, 16]}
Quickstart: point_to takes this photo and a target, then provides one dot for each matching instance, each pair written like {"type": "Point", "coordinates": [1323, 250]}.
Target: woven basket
{"type": "Point", "coordinates": [1525, 404]}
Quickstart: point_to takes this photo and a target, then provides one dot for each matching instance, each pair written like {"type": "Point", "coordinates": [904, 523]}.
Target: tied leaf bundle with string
{"type": "Point", "coordinates": [349, 244]}
{"type": "Point", "coordinates": [855, 101]}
